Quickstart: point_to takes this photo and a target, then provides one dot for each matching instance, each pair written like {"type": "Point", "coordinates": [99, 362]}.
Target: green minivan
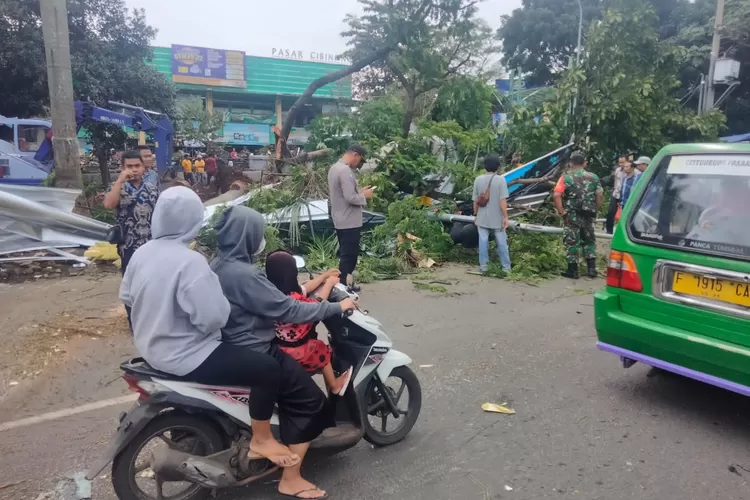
{"type": "Point", "coordinates": [678, 278]}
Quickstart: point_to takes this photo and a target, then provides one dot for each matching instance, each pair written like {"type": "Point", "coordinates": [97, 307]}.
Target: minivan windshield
{"type": "Point", "coordinates": [698, 203]}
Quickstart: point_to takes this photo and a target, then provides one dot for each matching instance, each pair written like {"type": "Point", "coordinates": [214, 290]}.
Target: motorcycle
{"type": "Point", "coordinates": [205, 430]}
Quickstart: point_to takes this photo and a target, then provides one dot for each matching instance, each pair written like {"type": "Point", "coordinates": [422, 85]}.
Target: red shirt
{"type": "Point", "coordinates": [290, 332]}
{"type": "Point", "coordinates": [210, 165]}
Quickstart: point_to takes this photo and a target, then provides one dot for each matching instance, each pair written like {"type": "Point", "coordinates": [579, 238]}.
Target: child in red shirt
{"type": "Point", "coordinates": [299, 341]}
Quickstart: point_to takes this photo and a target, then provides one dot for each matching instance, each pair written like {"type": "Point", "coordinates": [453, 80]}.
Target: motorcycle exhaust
{"type": "Point", "coordinates": [175, 465]}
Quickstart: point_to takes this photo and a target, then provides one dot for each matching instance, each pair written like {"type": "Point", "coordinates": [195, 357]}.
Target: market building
{"type": "Point", "coordinates": [254, 93]}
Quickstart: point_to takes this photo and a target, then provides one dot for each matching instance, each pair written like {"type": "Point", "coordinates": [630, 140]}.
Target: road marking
{"type": "Point", "coordinates": [56, 415]}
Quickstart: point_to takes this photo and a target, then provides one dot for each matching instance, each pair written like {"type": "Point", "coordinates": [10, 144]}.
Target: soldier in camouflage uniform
{"type": "Point", "coordinates": [577, 197]}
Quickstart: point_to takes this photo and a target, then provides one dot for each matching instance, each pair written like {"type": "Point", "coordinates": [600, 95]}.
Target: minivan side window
{"type": "Point", "coordinates": [697, 203]}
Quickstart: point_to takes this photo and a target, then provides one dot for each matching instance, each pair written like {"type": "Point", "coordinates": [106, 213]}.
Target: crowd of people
{"type": "Point", "coordinates": [199, 170]}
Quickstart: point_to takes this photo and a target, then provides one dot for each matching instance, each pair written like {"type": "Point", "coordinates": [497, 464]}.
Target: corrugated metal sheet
{"type": "Point", "coordinates": [265, 75]}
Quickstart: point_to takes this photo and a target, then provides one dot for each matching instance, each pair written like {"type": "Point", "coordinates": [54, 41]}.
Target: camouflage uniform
{"type": "Point", "coordinates": [579, 200]}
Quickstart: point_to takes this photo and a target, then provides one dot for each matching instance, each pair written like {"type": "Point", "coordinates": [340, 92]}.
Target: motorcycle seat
{"type": "Point", "coordinates": [139, 367]}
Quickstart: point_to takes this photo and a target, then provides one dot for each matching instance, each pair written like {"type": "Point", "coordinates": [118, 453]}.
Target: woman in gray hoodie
{"type": "Point", "coordinates": [256, 304]}
{"type": "Point", "coordinates": [178, 310]}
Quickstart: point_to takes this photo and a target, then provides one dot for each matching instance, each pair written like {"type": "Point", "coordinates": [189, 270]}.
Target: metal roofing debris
{"type": "Point", "coordinates": [39, 218]}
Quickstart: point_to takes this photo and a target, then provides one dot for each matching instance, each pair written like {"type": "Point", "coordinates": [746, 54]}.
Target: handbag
{"type": "Point", "coordinates": [114, 235]}
{"type": "Point", "coordinates": [484, 197]}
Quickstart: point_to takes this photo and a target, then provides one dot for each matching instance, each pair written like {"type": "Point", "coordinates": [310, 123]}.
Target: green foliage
{"type": "Point", "coordinates": [109, 47]}
{"type": "Point", "coordinates": [465, 100]}
{"type": "Point", "coordinates": [615, 110]}
{"type": "Point", "coordinates": [540, 38]}
{"type": "Point", "coordinates": [320, 252]}
{"type": "Point", "coordinates": [378, 120]}
{"type": "Point", "coordinates": [450, 41]}
{"type": "Point", "coordinates": [194, 122]}
{"type": "Point", "coordinates": [49, 181]}
{"type": "Point", "coordinates": [408, 164]}
{"type": "Point", "coordinates": [329, 132]}
{"type": "Point", "coordinates": [273, 240]}
{"type": "Point", "coordinates": [207, 235]}
{"type": "Point", "coordinates": [407, 216]}
{"type": "Point", "coordinates": [524, 137]}
{"type": "Point", "coordinates": [535, 256]}
{"type": "Point", "coordinates": [371, 269]}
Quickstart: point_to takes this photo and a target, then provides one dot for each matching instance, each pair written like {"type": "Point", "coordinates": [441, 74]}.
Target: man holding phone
{"type": "Point", "coordinates": [346, 205]}
{"type": "Point", "coordinates": [133, 201]}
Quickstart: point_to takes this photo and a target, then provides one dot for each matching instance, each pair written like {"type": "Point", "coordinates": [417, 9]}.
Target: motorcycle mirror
{"type": "Point", "coordinates": [300, 261]}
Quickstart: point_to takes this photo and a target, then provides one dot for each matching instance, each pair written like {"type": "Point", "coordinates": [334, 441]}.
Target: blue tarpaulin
{"type": "Point", "coordinates": [736, 138]}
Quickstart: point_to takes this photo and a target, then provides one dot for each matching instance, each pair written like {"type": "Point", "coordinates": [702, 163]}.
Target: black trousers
{"type": "Point", "coordinates": [272, 377]}
{"type": "Point", "coordinates": [125, 255]}
{"type": "Point", "coordinates": [611, 212]}
{"type": "Point", "coordinates": [244, 367]}
{"type": "Point", "coordinates": [348, 250]}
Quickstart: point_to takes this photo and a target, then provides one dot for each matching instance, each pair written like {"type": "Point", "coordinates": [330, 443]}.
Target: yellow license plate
{"type": "Point", "coordinates": [723, 290]}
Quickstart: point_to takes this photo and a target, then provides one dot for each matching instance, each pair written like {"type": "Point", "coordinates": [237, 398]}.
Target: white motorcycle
{"type": "Point", "coordinates": [183, 439]}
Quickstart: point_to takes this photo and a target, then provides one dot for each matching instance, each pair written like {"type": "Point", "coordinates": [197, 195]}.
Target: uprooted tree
{"type": "Point", "coordinates": [385, 27]}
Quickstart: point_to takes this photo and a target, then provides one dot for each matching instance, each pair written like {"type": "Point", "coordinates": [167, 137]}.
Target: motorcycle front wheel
{"type": "Point", "coordinates": [404, 389]}
{"type": "Point", "coordinates": [132, 477]}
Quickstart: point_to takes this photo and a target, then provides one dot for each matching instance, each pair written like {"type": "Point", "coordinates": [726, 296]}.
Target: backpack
{"type": "Point", "coordinates": [484, 196]}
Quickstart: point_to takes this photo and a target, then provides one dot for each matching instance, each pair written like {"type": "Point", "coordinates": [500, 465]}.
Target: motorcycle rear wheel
{"type": "Point", "coordinates": [124, 468]}
{"type": "Point", "coordinates": [375, 406]}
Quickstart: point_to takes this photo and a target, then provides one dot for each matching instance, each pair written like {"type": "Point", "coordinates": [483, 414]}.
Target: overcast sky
{"type": "Point", "coordinates": [258, 26]}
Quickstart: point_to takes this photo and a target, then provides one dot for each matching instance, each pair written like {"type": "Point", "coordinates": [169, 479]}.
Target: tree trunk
{"type": "Point", "coordinates": [409, 110]}
{"type": "Point", "coordinates": [103, 158]}
{"type": "Point", "coordinates": [325, 80]}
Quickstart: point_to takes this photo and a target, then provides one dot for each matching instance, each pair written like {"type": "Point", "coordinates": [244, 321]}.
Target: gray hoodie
{"type": "Point", "coordinates": [256, 303]}
{"type": "Point", "coordinates": [178, 306]}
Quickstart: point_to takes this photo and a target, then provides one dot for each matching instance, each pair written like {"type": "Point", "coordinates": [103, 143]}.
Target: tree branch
{"type": "Point", "coordinates": [325, 80]}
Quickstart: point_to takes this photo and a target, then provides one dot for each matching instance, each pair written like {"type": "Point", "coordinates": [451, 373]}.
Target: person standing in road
{"type": "Point", "coordinates": [187, 168]}
{"type": "Point", "coordinates": [150, 175]}
{"type": "Point", "coordinates": [614, 201]}
{"type": "Point", "coordinates": [211, 168]}
{"type": "Point", "coordinates": [491, 213]}
{"type": "Point", "coordinates": [577, 197]}
{"type": "Point", "coordinates": [200, 170]}
{"type": "Point", "coordinates": [346, 205]}
{"type": "Point", "coordinates": [133, 201]}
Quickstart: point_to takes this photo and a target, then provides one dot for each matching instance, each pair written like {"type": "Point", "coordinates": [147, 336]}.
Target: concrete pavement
{"type": "Point", "coordinates": [584, 429]}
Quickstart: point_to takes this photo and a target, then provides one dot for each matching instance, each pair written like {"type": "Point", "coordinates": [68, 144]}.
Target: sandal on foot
{"type": "Point", "coordinates": [297, 495]}
{"type": "Point", "coordinates": [252, 455]}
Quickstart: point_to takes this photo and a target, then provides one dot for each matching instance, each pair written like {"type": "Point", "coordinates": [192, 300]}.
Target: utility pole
{"type": "Point", "coordinates": [708, 103]}
{"type": "Point", "coordinates": [60, 80]}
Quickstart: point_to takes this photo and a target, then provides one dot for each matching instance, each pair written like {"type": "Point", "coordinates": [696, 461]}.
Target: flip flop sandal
{"type": "Point", "coordinates": [297, 495]}
{"type": "Point", "coordinates": [257, 456]}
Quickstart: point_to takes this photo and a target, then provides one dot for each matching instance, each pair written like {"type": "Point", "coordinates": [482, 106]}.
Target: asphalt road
{"type": "Point", "coordinates": [584, 428]}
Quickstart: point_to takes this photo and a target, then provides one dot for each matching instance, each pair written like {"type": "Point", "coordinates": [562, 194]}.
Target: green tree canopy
{"type": "Point", "coordinates": [451, 43]}
{"type": "Point", "coordinates": [109, 46]}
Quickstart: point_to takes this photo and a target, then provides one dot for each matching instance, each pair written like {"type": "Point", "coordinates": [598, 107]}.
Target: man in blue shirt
{"type": "Point", "coordinates": [628, 182]}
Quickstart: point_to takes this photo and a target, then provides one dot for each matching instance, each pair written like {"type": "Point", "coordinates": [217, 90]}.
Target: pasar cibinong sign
{"type": "Point", "coordinates": [303, 55]}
